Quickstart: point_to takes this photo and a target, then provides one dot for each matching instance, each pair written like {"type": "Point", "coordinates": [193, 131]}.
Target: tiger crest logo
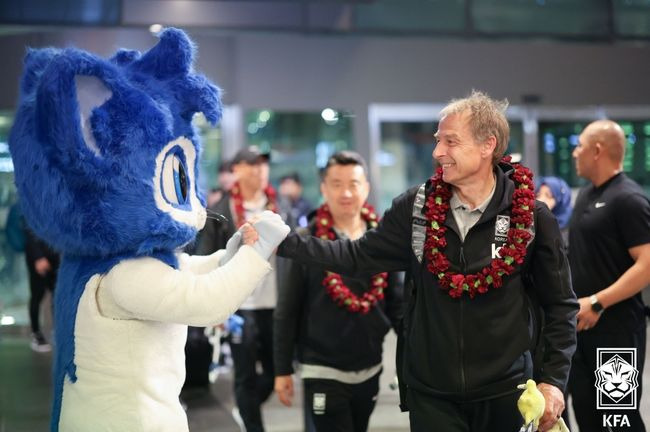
{"type": "Point", "coordinates": [616, 378]}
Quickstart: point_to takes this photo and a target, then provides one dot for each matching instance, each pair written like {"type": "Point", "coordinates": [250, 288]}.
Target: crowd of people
{"type": "Point", "coordinates": [486, 283]}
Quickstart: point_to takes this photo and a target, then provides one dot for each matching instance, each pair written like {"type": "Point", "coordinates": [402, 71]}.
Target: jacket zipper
{"type": "Point", "coordinates": [463, 265]}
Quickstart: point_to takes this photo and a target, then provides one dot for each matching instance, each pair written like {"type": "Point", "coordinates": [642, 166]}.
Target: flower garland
{"type": "Point", "coordinates": [238, 202]}
{"type": "Point", "coordinates": [513, 251]}
{"type": "Point", "coordinates": [336, 289]}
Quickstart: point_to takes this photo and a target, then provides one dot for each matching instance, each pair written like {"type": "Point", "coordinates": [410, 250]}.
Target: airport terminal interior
{"type": "Point", "coordinates": [303, 79]}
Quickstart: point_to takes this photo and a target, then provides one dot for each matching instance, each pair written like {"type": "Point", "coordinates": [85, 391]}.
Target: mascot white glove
{"type": "Point", "coordinates": [231, 247]}
{"type": "Point", "coordinates": [271, 230]}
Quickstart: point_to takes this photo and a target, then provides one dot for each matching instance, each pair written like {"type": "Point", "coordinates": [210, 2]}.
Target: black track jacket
{"type": "Point", "coordinates": [466, 349]}
{"type": "Point", "coordinates": [324, 333]}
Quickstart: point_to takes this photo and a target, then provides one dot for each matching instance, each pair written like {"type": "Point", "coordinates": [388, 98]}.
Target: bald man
{"type": "Point", "coordinates": [609, 253]}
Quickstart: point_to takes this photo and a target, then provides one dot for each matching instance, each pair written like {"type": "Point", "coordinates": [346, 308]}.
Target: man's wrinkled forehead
{"type": "Point", "coordinates": [451, 133]}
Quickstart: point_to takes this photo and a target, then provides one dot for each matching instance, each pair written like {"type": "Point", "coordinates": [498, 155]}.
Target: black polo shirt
{"type": "Point", "coordinates": [606, 222]}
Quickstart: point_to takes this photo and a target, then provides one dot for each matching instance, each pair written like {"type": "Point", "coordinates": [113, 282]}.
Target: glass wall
{"type": "Point", "coordinates": [212, 149]}
{"type": "Point", "coordinates": [299, 142]}
{"type": "Point", "coordinates": [405, 157]}
{"type": "Point", "coordinates": [558, 139]}
{"type": "Point", "coordinates": [406, 154]}
{"type": "Point", "coordinates": [13, 272]}
{"type": "Point", "coordinates": [403, 142]}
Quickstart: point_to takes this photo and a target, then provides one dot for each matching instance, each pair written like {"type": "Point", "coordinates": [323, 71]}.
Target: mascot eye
{"type": "Point", "coordinates": [175, 181]}
{"type": "Point", "coordinates": [180, 180]}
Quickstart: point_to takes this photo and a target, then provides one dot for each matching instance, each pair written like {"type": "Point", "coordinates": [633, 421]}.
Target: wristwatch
{"type": "Point", "coordinates": [595, 304]}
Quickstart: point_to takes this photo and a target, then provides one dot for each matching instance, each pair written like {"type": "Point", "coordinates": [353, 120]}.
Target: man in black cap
{"type": "Point", "coordinates": [249, 196]}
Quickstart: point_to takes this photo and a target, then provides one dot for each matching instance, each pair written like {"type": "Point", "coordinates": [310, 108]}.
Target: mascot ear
{"type": "Point", "coordinates": [64, 105]}
{"type": "Point", "coordinates": [171, 57]}
{"type": "Point", "coordinates": [91, 93]}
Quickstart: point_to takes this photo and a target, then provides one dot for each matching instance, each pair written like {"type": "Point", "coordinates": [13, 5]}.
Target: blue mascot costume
{"type": "Point", "coordinates": [106, 165]}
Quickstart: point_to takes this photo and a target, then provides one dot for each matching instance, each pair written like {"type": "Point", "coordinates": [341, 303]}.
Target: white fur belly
{"type": "Point", "coordinates": [129, 372]}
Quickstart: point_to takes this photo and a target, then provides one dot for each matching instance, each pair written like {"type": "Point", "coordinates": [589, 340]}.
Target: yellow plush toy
{"type": "Point", "coordinates": [531, 405]}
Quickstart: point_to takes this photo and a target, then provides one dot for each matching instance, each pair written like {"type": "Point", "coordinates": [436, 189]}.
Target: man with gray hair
{"type": "Point", "coordinates": [481, 255]}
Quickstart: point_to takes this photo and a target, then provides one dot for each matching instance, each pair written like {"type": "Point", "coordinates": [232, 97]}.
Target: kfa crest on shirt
{"type": "Point", "coordinates": [501, 227]}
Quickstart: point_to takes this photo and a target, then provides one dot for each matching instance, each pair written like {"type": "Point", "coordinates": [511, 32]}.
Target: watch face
{"type": "Point", "coordinates": [596, 307]}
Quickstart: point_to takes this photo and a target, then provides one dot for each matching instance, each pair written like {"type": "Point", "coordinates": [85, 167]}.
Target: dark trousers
{"type": "Point", "coordinates": [37, 287]}
{"type": "Point", "coordinates": [255, 345]}
{"type": "Point", "coordinates": [428, 413]}
{"type": "Point", "coordinates": [582, 379]}
{"type": "Point", "coordinates": [340, 407]}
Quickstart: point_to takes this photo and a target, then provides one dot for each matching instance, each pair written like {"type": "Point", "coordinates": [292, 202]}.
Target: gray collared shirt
{"type": "Point", "coordinates": [464, 216]}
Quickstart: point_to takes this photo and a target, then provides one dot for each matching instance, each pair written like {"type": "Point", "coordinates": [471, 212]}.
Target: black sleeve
{"type": "Point", "coordinates": [395, 299]}
{"type": "Point", "coordinates": [633, 219]}
{"type": "Point", "coordinates": [35, 248]}
{"type": "Point", "coordinates": [216, 233]}
{"type": "Point", "coordinates": [552, 281]}
{"type": "Point", "coordinates": [385, 248]}
{"type": "Point", "coordinates": [292, 290]}
{"type": "Point", "coordinates": [208, 238]}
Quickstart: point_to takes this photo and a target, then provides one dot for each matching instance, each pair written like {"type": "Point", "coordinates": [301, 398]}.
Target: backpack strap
{"type": "Point", "coordinates": [418, 236]}
{"type": "Point", "coordinates": [419, 224]}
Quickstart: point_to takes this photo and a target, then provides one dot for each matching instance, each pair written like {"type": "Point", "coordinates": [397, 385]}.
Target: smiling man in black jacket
{"type": "Point", "coordinates": [336, 324]}
{"type": "Point", "coordinates": [477, 248]}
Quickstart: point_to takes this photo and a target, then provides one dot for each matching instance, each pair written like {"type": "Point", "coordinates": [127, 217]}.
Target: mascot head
{"type": "Point", "coordinates": [105, 154]}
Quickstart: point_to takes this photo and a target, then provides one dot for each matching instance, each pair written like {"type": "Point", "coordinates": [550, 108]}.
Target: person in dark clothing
{"type": "Point", "coordinates": [42, 265]}
{"type": "Point", "coordinates": [335, 323]}
{"type": "Point", "coordinates": [478, 250]}
{"type": "Point", "coordinates": [556, 194]}
{"type": "Point", "coordinates": [294, 208]}
{"type": "Point", "coordinates": [609, 253]}
{"type": "Point", "coordinates": [249, 196]}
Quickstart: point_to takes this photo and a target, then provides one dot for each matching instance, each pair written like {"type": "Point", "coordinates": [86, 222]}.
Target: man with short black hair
{"type": "Point", "coordinates": [336, 324]}
{"type": "Point", "coordinates": [249, 196]}
{"type": "Point", "coordinates": [609, 252]}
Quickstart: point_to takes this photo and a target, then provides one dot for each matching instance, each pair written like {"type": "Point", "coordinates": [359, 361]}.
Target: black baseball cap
{"type": "Point", "coordinates": [250, 155]}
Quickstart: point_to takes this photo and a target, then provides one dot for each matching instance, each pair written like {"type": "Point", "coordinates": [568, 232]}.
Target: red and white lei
{"type": "Point", "coordinates": [513, 251]}
{"type": "Point", "coordinates": [336, 289]}
{"type": "Point", "coordinates": [238, 202]}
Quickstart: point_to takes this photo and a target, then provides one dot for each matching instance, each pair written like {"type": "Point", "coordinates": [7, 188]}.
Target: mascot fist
{"type": "Point", "coordinates": [271, 230]}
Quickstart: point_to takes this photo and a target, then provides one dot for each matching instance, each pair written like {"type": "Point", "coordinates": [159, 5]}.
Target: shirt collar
{"type": "Point", "coordinates": [455, 203]}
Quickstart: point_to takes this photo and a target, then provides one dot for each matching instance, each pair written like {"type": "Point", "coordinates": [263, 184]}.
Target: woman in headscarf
{"type": "Point", "coordinates": [556, 194]}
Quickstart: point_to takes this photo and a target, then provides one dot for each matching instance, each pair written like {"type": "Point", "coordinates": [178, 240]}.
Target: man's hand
{"type": "Point", "coordinates": [284, 389]}
{"type": "Point", "coordinates": [587, 318]}
{"type": "Point", "coordinates": [249, 235]}
{"type": "Point", "coordinates": [246, 235]}
{"type": "Point", "coordinates": [554, 399]}
{"type": "Point", "coordinates": [42, 266]}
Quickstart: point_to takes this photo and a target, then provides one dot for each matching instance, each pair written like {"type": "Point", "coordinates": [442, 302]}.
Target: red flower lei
{"type": "Point", "coordinates": [336, 289]}
{"type": "Point", "coordinates": [513, 251]}
{"type": "Point", "coordinates": [238, 202]}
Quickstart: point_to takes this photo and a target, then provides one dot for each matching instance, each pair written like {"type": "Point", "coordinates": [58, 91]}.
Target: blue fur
{"type": "Point", "coordinates": [98, 210]}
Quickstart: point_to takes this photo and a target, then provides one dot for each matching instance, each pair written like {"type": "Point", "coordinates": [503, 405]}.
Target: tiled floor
{"type": "Point", "coordinates": [25, 392]}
